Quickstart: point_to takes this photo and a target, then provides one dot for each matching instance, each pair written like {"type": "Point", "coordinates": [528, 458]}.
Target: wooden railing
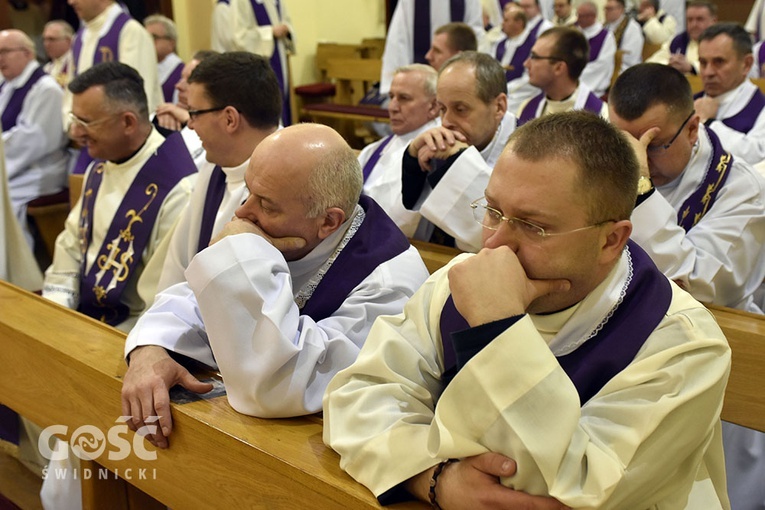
{"type": "Point", "coordinates": [62, 368]}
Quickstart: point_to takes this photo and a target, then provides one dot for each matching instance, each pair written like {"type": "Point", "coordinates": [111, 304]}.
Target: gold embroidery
{"type": "Point", "coordinates": [722, 167]}
{"type": "Point", "coordinates": [117, 262]}
{"type": "Point", "coordinates": [106, 54]}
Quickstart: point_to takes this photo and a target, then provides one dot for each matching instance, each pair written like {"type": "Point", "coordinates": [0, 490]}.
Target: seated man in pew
{"type": "Point", "coordinates": [703, 224]}
{"type": "Point", "coordinates": [556, 62]}
{"type": "Point", "coordinates": [231, 121]}
{"type": "Point", "coordinates": [30, 110]}
{"type": "Point", "coordinates": [492, 385]}
{"type": "Point", "coordinates": [731, 105]}
{"type": "Point", "coordinates": [682, 52]}
{"type": "Point", "coordinates": [285, 295]}
{"type": "Point", "coordinates": [600, 67]}
{"type": "Point", "coordinates": [447, 167]}
{"type": "Point", "coordinates": [133, 192]}
{"type": "Point", "coordinates": [413, 109]}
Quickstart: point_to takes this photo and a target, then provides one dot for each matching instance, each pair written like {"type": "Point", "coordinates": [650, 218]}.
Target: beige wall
{"type": "Point", "coordinates": [343, 21]}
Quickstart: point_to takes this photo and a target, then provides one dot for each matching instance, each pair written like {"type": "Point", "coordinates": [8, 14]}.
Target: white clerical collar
{"type": "Point", "coordinates": [304, 268]}
{"type": "Point", "coordinates": [725, 100]}
{"type": "Point", "coordinates": [567, 330]}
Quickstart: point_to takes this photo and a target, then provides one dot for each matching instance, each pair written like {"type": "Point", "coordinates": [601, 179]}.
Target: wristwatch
{"type": "Point", "coordinates": [645, 185]}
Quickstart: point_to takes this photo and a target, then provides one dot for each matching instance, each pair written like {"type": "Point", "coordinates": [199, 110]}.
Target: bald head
{"type": "Point", "coordinates": [16, 51]}
{"type": "Point", "coordinates": [304, 181]}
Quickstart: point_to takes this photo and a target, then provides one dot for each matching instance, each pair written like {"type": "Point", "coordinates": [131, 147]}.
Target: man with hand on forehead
{"type": "Point", "coordinates": [285, 294]}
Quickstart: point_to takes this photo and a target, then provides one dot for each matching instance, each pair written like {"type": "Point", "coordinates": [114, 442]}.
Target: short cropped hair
{"type": "Point", "coordinates": [245, 81]}
{"type": "Point", "coordinates": [123, 87]}
{"type": "Point", "coordinates": [572, 47]}
{"type": "Point", "coordinates": [644, 85]}
{"type": "Point", "coordinates": [742, 41]}
{"type": "Point", "coordinates": [170, 31]}
{"type": "Point", "coordinates": [621, 2]}
{"type": "Point", "coordinates": [710, 6]}
{"type": "Point", "coordinates": [460, 36]}
{"type": "Point", "coordinates": [490, 77]}
{"type": "Point", "coordinates": [608, 168]}
{"type": "Point", "coordinates": [429, 75]}
{"type": "Point", "coordinates": [203, 54]}
{"type": "Point", "coordinates": [518, 14]}
{"type": "Point", "coordinates": [335, 182]}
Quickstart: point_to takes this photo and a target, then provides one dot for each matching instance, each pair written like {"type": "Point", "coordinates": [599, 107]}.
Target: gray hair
{"type": "Point", "coordinates": [170, 31]}
{"type": "Point", "coordinates": [65, 27]}
{"type": "Point", "coordinates": [335, 182]}
{"type": "Point", "coordinates": [429, 75]}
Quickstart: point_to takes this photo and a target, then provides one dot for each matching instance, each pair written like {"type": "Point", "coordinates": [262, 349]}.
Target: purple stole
{"type": "Point", "coordinates": [761, 60]}
{"type": "Point", "coordinates": [216, 188]}
{"type": "Point", "coordinates": [376, 241]}
{"type": "Point", "coordinates": [680, 43]}
{"type": "Point", "coordinates": [520, 56]}
{"type": "Point", "coordinates": [107, 49]}
{"type": "Point", "coordinates": [13, 108]}
{"type": "Point", "coordinates": [743, 121]}
{"type": "Point", "coordinates": [700, 201]}
{"type": "Point", "coordinates": [615, 345]}
{"type": "Point", "coordinates": [593, 104]}
{"type": "Point", "coordinates": [101, 288]}
{"type": "Point", "coordinates": [596, 44]}
{"type": "Point", "coordinates": [262, 19]}
{"type": "Point", "coordinates": [421, 26]}
{"type": "Point", "coordinates": [169, 86]}
{"type": "Point", "coordinates": [375, 157]}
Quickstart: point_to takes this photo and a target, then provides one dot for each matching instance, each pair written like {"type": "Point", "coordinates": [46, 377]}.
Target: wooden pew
{"type": "Point", "coordinates": [62, 368]}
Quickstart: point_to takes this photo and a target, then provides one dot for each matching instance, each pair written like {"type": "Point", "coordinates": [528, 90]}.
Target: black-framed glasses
{"type": "Point", "coordinates": [491, 218]}
{"type": "Point", "coordinates": [534, 56]}
{"type": "Point", "coordinates": [193, 114]}
{"type": "Point", "coordinates": [659, 149]}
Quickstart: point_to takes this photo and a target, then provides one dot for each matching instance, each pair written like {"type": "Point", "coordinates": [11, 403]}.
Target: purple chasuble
{"type": "Point", "coordinates": [107, 49]}
{"type": "Point", "coordinates": [615, 345]}
{"type": "Point", "coordinates": [679, 44]}
{"type": "Point", "coordinates": [375, 157]}
{"type": "Point", "coordinates": [102, 286]}
{"type": "Point", "coordinates": [263, 19]}
{"type": "Point", "coordinates": [168, 88]}
{"type": "Point", "coordinates": [700, 201]}
{"type": "Point", "coordinates": [377, 240]}
{"type": "Point", "coordinates": [216, 188]}
{"type": "Point", "coordinates": [13, 108]}
{"type": "Point", "coordinates": [596, 44]}
{"type": "Point", "coordinates": [761, 55]}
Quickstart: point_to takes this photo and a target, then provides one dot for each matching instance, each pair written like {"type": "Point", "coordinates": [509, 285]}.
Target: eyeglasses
{"type": "Point", "coordinates": [193, 114]}
{"type": "Point", "coordinates": [659, 149]}
{"type": "Point", "coordinates": [491, 219]}
{"type": "Point", "coordinates": [76, 121]}
{"type": "Point", "coordinates": [6, 51]}
{"type": "Point", "coordinates": [534, 56]}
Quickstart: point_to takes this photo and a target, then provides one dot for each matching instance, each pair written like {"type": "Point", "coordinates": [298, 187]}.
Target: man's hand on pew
{"type": "Point", "coordinates": [146, 389]}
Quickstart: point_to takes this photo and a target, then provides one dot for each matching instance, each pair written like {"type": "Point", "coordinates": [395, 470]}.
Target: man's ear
{"type": "Point", "coordinates": [616, 236]}
{"type": "Point", "coordinates": [129, 122]}
{"type": "Point", "coordinates": [501, 104]}
{"type": "Point", "coordinates": [233, 118]}
{"type": "Point", "coordinates": [333, 218]}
